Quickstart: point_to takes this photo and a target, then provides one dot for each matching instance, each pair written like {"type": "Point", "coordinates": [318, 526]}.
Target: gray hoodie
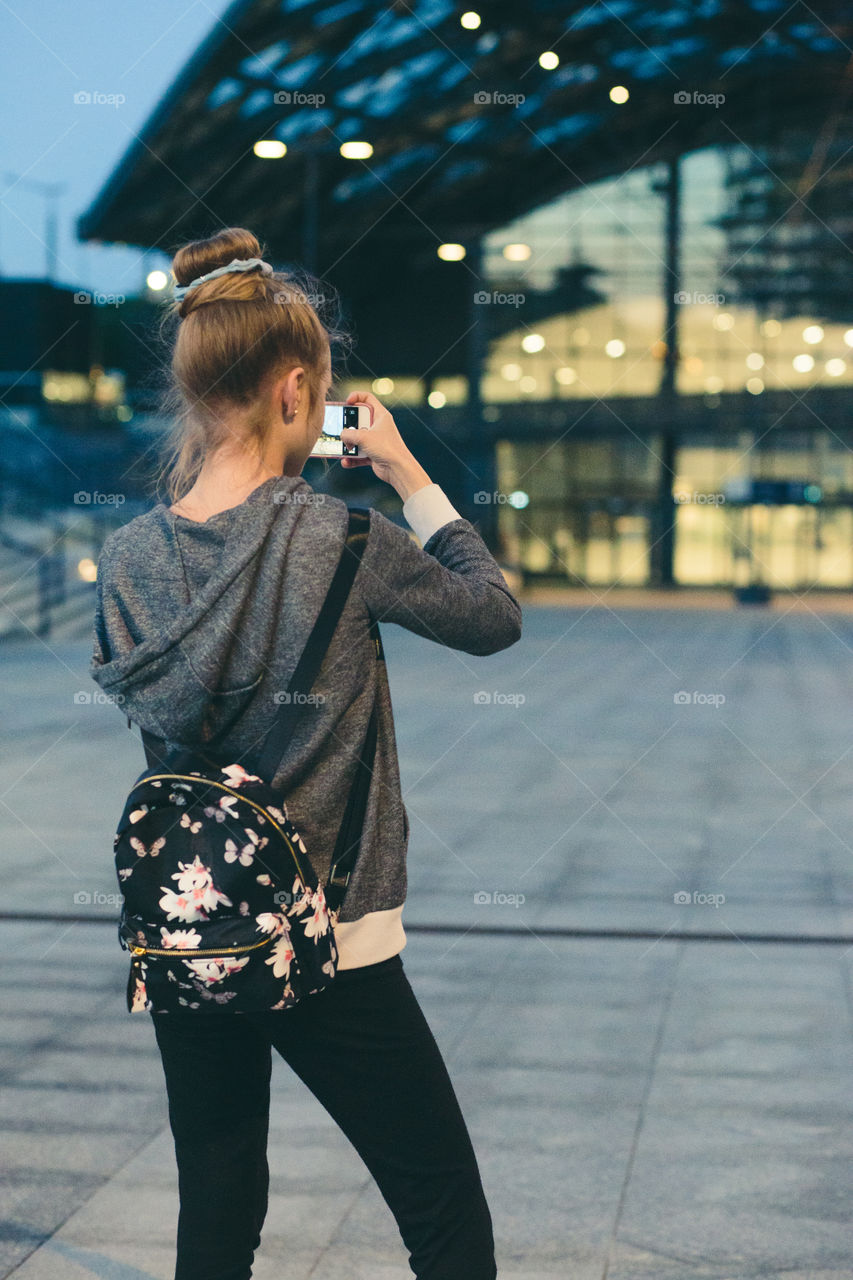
{"type": "Point", "coordinates": [199, 625]}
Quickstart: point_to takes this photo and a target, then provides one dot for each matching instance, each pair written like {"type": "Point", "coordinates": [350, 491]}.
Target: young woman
{"type": "Point", "coordinates": [203, 608]}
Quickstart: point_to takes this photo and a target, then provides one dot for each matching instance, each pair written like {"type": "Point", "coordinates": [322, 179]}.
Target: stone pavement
{"type": "Point", "coordinates": [644, 876]}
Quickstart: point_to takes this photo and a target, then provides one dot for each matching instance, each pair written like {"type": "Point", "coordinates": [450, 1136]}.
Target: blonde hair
{"type": "Point", "coordinates": [234, 333]}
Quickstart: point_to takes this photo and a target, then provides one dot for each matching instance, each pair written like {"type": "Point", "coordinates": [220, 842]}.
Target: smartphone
{"type": "Point", "coordinates": [337, 416]}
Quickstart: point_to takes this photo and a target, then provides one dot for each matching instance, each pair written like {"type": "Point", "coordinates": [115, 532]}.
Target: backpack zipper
{"type": "Point", "coordinates": [191, 951]}
{"type": "Point", "coordinates": [156, 777]}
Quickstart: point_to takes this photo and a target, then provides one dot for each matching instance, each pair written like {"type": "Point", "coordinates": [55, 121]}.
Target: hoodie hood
{"type": "Point", "coordinates": [187, 613]}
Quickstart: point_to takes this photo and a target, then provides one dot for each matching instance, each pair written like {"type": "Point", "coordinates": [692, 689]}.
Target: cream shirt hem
{"type": "Point", "coordinates": [376, 936]}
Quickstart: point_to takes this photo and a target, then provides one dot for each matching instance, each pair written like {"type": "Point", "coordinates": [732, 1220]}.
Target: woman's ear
{"type": "Point", "coordinates": [289, 391]}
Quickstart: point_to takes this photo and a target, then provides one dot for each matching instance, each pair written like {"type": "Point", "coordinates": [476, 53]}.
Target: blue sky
{"type": "Point", "coordinates": [50, 52]}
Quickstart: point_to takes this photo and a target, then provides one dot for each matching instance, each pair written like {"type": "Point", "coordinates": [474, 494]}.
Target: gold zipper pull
{"type": "Point", "coordinates": [138, 951]}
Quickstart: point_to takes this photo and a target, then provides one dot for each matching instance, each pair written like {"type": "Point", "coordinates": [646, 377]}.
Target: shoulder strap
{"type": "Point", "coordinates": [294, 701]}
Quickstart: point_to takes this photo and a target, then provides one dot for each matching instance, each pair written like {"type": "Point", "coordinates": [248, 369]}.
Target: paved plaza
{"type": "Point", "coordinates": [630, 922]}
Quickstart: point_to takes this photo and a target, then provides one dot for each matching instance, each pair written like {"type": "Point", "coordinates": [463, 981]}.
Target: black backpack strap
{"type": "Point", "coordinates": [278, 735]}
{"type": "Point", "coordinates": [308, 667]}
{"type": "Point", "coordinates": [155, 749]}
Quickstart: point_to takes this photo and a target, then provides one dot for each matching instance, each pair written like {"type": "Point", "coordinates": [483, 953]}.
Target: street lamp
{"type": "Point", "coordinates": [51, 191]}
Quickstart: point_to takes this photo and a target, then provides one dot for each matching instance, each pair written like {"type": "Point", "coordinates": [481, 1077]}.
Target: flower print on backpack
{"type": "Point", "coordinates": [217, 968]}
{"type": "Point", "coordinates": [198, 895]}
{"type": "Point", "coordinates": [180, 939]}
{"type": "Point", "coordinates": [237, 775]}
{"type": "Point", "coordinates": [315, 901]}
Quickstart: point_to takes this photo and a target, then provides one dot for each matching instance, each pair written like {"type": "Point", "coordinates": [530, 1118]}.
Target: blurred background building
{"type": "Point", "coordinates": [597, 258]}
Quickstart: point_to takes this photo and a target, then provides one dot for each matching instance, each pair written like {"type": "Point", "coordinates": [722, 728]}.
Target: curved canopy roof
{"type": "Point", "coordinates": [468, 130]}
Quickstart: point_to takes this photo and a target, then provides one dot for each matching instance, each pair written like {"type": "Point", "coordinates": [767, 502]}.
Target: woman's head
{"type": "Point", "coordinates": [251, 355]}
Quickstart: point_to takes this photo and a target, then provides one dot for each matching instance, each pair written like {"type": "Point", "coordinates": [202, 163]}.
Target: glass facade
{"type": "Point", "coordinates": [588, 504]}
{"type": "Point", "coordinates": [587, 517]}
{"type": "Point", "coordinates": [612, 234]}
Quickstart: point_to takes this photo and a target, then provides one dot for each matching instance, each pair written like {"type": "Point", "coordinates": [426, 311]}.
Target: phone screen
{"type": "Point", "coordinates": [335, 418]}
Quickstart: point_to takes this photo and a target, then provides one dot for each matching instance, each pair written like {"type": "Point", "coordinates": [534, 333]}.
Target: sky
{"type": "Point", "coordinates": [125, 55]}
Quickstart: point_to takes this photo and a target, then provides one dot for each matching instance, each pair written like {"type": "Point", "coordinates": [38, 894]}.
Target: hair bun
{"type": "Point", "coordinates": [200, 256]}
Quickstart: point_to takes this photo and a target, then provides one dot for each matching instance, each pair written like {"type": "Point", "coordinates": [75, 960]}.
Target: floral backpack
{"type": "Point", "coordinates": [221, 906]}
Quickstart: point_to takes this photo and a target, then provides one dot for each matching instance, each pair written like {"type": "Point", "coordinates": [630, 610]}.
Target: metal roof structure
{"type": "Point", "coordinates": [468, 130]}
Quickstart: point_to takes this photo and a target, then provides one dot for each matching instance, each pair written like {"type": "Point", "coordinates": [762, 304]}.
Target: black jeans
{"type": "Point", "coordinates": [364, 1049]}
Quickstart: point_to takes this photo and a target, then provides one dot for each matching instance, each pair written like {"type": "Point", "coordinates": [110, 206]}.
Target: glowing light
{"type": "Point", "coordinates": [451, 252]}
{"type": "Point", "coordinates": [835, 368]}
{"type": "Point", "coordinates": [724, 321]}
{"type": "Point", "coordinates": [754, 386]}
{"type": "Point", "coordinates": [549, 60]}
{"type": "Point", "coordinates": [436, 399]}
{"type": "Point", "coordinates": [382, 386]}
{"type": "Point", "coordinates": [619, 94]}
{"type": "Point", "coordinates": [812, 334]}
{"type": "Point", "coordinates": [269, 149]}
{"type": "Point", "coordinates": [755, 360]}
{"type": "Point", "coordinates": [771, 328]}
{"type": "Point", "coordinates": [848, 338]}
{"type": "Point", "coordinates": [156, 280]}
{"type": "Point", "coordinates": [713, 384]}
{"type": "Point", "coordinates": [511, 372]}
{"type": "Point", "coordinates": [566, 376]}
{"type": "Point", "coordinates": [615, 348]}
{"type": "Point", "coordinates": [518, 499]}
{"type": "Point", "coordinates": [532, 342]}
{"type": "Point", "coordinates": [470, 20]}
{"type": "Point", "coordinates": [356, 150]}
{"type": "Point", "coordinates": [516, 252]}
{"type": "Point", "coordinates": [803, 363]}
{"type": "Point", "coordinates": [87, 569]}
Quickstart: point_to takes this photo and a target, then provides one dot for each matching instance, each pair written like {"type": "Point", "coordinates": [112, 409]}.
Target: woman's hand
{"type": "Point", "coordinates": [382, 447]}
